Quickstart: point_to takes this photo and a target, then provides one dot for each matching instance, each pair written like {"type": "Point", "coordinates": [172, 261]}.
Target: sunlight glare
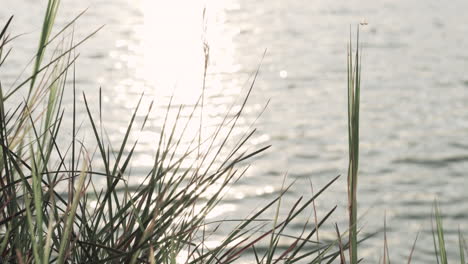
{"type": "Point", "coordinates": [172, 47]}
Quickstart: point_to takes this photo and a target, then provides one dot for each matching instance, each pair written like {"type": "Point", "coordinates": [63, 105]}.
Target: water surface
{"type": "Point", "coordinates": [414, 118]}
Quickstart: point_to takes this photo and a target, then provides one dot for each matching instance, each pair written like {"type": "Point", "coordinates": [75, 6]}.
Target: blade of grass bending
{"type": "Point", "coordinates": [333, 256]}
{"type": "Point", "coordinates": [461, 247]}
{"type": "Point", "coordinates": [37, 191]}
{"type": "Point", "coordinates": [5, 241]}
{"type": "Point", "coordinates": [294, 214]}
{"type": "Point", "coordinates": [440, 234]}
{"type": "Point", "coordinates": [96, 135]}
{"type": "Point", "coordinates": [386, 257]}
{"type": "Point", "coordinates": [275, 221]}
{"type": "Point", "coordinates": [8, 194]}
{"type": "Point", "coordinates": [66, 26]}
{"type": "Point", "coordinates": [276, 235]}
{"type": "Point", "coordinates": [48, 240]}
{"type": "Point", "coordinates": [293, 257]}
{"type": "Point", "coordinates": [2, 60]}
{"type": "Point", "coordinates": [49, 19]}
{"type": "Point", "coordinates": [71, 215]}
{"type": "Point", "coordinates": [413, 248]}
{"type": "Point", "coordinates": [308, 202]}
{"type": "Point", "coordinates": [436, 250]}
{"type": "Point", "coordinates": [45, 67]}
{"type": "Point", "coordinates": [315, 214]}
{"type": "Point", "coordinates": [127, 133]}
{"type": "Point", "coordinates": [340, 245]}
{"type": "Point", "coordinates": [4, 141]}
{"type": "Point", "coordinates": [289, 219]}
{"type": "Point", "coordinates": [119, 156]}
{"type": "Point", "coordinates": [241, 227]}
{"type": "Point", "coordinates": [289, 249]}
{"type": "Point", "coordinates": [231, 128]}
{"type": "Point", "coordinates": [5, 27]}
{"type": "Point", "coordinates": [464, 243]}
{"type": "Point", "coordinates": [30, 224]}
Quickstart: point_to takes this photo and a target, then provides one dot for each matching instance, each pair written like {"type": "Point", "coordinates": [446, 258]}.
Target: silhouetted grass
{"type": "Point", "coordinates": [52, 211]}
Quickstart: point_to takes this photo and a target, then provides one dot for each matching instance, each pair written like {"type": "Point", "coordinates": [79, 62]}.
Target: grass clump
{"type": "Point", "coordinates": [52, 210]}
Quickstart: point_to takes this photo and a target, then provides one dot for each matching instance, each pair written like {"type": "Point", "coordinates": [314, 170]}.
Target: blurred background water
{"type": "Point", "coordinates": [414, 118]}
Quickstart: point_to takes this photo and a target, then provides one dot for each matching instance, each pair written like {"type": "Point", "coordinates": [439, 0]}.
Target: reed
{"type": "Point", "coordinates": [354, 93]}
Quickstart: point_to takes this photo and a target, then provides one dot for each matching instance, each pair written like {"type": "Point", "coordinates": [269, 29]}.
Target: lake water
{"type": "Point", "coordinates": [414, 104]}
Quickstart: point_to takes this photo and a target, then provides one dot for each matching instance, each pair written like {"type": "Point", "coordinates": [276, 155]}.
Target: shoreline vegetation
{"type": "Point", "coordinates": [52, 210]}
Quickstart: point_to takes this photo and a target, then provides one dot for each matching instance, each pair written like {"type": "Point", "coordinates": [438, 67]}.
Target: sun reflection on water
{"type": "Point", "coordinates": [171, 43]}
{"type": "Point", "coordinates": [171, 47]}
{"type": "Point", "coordinates": [165, 58]}
{"type": "Point", "coordinates": [168, 58]}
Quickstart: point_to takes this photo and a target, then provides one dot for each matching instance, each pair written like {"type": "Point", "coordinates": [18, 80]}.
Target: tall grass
{"type": "Point", "coordinates": [354, 93]}
{"type": "Point", "coordinates": [53, 211]}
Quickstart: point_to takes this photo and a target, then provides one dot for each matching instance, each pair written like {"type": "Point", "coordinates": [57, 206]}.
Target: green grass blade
{"type": "Point", "coordinates": [354, 84]}
{"type": "Point", "coordinates": [71, 216]}
{"type": "Point", "coordinates": [461, 247]}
